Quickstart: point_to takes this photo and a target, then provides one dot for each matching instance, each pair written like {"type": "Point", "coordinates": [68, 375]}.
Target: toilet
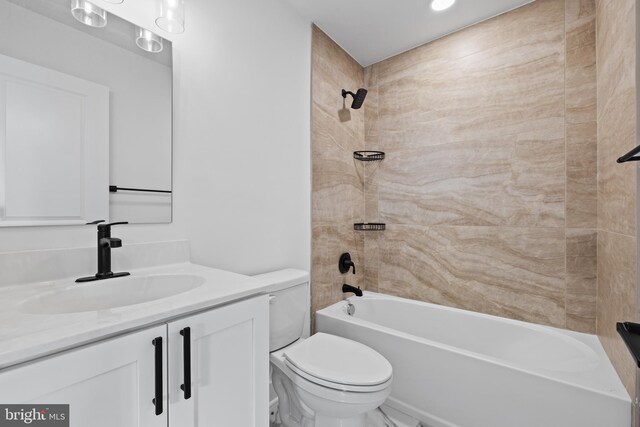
{"type": "Point", "coordinates": [322, 380]}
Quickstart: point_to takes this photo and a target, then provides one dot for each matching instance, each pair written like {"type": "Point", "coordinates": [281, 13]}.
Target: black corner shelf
{"type": "Point", "coordinates": [630, 333]}
{"type": "Point", "coordinates": [369, 156]}
{"type": "Point", "coordinates": [370, 226]}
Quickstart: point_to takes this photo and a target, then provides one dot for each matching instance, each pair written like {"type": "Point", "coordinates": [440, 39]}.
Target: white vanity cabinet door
{"type": "Point", "coordinates": [108, 384]}
{"type": "Point", "coordinates": [229, 367]}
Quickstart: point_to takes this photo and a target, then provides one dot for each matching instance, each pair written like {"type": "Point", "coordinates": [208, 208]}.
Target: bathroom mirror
{"type": "Point", "coordinates": [85, 117]}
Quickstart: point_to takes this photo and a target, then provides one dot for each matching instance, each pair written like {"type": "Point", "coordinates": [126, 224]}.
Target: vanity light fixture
{"type": "Point", "coordinates": [88, 13]}
{"type": "Point", "coordinates": [440, 5]}
{"type": "Point", "coordinates": [171, 16]}
{"type": "Point", "coordinates": [146, 40]}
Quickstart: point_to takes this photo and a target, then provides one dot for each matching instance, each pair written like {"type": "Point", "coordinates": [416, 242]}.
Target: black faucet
{"type": "Point", "coordinates": [105, 243]}
{"type": "Point", "coordinates": [348, 288]}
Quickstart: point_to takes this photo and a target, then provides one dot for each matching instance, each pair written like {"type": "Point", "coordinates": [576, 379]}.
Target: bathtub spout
{"type": "Point", "coordinates": [348, 288]}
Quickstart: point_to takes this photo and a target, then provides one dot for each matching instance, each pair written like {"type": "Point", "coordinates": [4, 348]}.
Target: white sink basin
{"type": "Point", "coordinates": [112, 293]}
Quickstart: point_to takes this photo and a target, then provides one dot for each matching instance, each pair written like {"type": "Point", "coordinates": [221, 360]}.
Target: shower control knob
{"type": "Point", "coordinates": [345, 263]}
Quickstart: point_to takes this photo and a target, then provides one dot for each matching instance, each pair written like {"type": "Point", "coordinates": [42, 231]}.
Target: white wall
{"type": "Point", "coordinates": [242, 141]}
{"type": "Point", "coordinates": [244, 117]}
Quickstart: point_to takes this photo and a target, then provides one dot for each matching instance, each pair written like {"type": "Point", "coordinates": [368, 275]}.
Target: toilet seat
{"type": "Point", "coordinates": [339, 363]}
{"type": "Point", "coordinates": [335, 385]}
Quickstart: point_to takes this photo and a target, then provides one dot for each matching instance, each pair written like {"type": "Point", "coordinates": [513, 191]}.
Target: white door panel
{"type": "Point", "coordinates": [54, 147]}
{"type": "Point", "coordinates": [44, 176]}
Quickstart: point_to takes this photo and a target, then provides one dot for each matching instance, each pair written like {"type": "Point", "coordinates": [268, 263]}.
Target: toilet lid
{"type": "Point", "coordinates": [339, 360]}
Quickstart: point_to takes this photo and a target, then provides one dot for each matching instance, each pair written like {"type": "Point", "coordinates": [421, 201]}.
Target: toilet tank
{"type": "Point", "coordinates": [289, 306]}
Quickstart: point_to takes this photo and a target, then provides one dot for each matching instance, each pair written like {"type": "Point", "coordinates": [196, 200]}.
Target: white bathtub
{"type": "Point", "coordinates": [458, 368]}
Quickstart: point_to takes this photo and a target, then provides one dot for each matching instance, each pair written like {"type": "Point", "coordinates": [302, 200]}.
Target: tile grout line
{"type": "Point", "coordinates": [566, 170]}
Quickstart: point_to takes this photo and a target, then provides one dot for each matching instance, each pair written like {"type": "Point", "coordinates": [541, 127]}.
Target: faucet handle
{"type": "Point", "coordinates": [345, 264]}
{"type": "Point", "coordinates": [95, 222]}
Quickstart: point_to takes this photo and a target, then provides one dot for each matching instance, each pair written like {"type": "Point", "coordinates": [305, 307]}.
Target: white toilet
{"type": "Point", "coordinates": [323, 380]}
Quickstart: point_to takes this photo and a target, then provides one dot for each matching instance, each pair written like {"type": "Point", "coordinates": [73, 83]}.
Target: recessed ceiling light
{"type": "Point", "coordinates": [439, 5]}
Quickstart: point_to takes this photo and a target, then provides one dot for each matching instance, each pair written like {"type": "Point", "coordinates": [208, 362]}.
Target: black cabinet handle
{"type": "Point", "coordinates": [157, 401]}
{"type": "Point", "coordinates": [186, 353]}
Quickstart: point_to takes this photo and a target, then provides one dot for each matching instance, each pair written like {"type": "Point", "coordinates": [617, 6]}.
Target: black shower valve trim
{"type": "Point", "coordinates": [345, 263]}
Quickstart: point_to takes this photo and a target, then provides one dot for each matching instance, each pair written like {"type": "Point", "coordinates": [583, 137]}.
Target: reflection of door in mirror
{"type": "Point", "coordinates": [54, 147]}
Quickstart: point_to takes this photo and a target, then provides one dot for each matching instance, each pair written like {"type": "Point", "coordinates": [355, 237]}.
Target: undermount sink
{"type": "Point", "coordinates": [112, 293]}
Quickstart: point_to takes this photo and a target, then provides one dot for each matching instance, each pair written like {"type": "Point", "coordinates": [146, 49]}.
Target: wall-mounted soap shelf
{"type": "Point", "coordinates": [630, 333]}
{"type": "Point", "coordinates": [370, 226]}
{"type": "Point", "coordinates": [369, 156]}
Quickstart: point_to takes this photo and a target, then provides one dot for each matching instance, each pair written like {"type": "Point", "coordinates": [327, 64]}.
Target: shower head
{"type": "Point", "coordinates": [358, 97]}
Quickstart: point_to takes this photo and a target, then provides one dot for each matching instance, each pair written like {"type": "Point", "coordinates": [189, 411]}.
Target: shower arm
{"type": "Point", "coordinates": [347, 92]}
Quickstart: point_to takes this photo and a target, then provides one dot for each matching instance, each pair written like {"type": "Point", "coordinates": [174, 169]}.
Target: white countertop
{"type": "Point", "coordinates": [25, 336]}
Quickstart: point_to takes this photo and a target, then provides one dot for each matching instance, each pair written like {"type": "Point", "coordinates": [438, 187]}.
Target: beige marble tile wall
{"type": "Point", "coordinates": [617, 185]}
{"type": "Point", "coordinates": [581, 164]}
{"type": "Point", "coordinates": [338, 191]}
{"type": "Point", "coordinates": [489, 186]}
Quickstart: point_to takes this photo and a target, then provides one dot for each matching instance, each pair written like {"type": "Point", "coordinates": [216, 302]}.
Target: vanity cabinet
{"type": "Point", "coordinates": [229, 367]}
{"type": "Point", "coordinates": [223, 353]}
{"type": "Point", "coordinates": [107, 384]}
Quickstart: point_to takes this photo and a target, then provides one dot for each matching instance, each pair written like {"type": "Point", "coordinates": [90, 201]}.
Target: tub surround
{"type": "Point", "coordinates": [488, 188]}
{"type": "Point", "coordinates": [26, 336]}
{"type": "Point", "coordinates": [617, 184]}
{"type": "Point", "coordinates": [338, 194]}
{"type": "Point", "coordinates": [581, 165]}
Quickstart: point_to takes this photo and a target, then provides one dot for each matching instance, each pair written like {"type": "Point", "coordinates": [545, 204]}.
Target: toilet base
{"type": "Point", "coordinates": [358, 421]}
{"type": "Point", "coordinates": [294, 410]}
{"type": "Point", "coordinates": [303, 403]}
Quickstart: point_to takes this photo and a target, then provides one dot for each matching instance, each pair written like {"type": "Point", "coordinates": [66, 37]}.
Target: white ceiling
{"type": "Point", "coordinates": [373, 30]}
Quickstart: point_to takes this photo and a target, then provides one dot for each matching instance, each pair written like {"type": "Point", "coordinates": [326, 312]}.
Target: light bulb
{"type": "Point", "coordinates": [148, 41]}
{"type": "Point", "coordinates": [89, 14]}
{"type": "Point", "coordinates": [171, 16]}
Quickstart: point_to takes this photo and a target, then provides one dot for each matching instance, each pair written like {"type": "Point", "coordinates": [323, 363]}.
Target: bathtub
{"type": "Point", "coordinates": [458, 368]}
